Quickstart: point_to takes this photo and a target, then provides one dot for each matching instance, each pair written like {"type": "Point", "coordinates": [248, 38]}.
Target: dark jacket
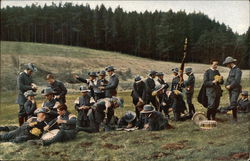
{"type": "Point", "coordinates": [156, 121]}
{"type": "Point", "coordinates": [69, 125]}
{"type": "Point", "coordinates": [83, 101]}
{"type": "Point", "coordinates": [59, 89]}
{"type": "Point", "coordinates": [92, 85]}
{"type": "Point", "coordinates": [30, 108]}
{"type": "Point", "coordinates": [102, 82]}
{"type": "Point", "coordinates": [96, 116]}
{"type": "Point", "coordinates": [234, 79]}
{"type": "Point", "coordinates": [39, 124]}
{"type": "Point", "coordinates": [150, 86]}
{"type": "Point", "coordinates": [139, 91]}
{"type": "Point", "coordinates": [175, 84]}
{"type": "Point", "coordinates": [111, 88]}
{"type": "Point", "coordinates": [243, 105]}
{"type": "Point", "coordinates": [23, 133]}
{"type": "Point", "coordinates": [212, 90]}
{"type": "Point", "coordinates": [189, 83]}
{"type": "Point", "coordinates": [202, 97]}
{"type": "Point", "coordinates": [123, 123]}
{"type": "Point", "coordinates": [24, 82]}
{"type": "Point", "coordinates": [175, 101]}
{"type": "Point", "coordinates": [52, 114]}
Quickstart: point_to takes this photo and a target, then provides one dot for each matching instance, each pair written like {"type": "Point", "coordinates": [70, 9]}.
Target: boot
{"type": "Point", "coordinates": [191, 110]}
{"type": "Point", "coordinates": [20, 120]}
{"type": "Point", "coordinates": [4, 128]}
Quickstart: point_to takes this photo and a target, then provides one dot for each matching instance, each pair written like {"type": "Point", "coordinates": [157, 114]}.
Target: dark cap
{"type": "Point", "coordinates": [147, 109]}
{"type": "Point", "coordinates": [48, 90]}
{"type": "Point", "coordinates": [110, 68]}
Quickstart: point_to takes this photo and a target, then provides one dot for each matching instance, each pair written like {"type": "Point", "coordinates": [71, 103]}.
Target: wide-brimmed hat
{"type": "Point", "coordinates": [29, 93]}
{"type": "Point", "coordinates": [159, 87]}
{"type": "Point", "coordinates": [159, 74]}
{"type": "Point", "coordinates": [110, 68]}
{"type": "Point", "coordinates": [46, 91]}
{"type": "Point", "coordinates": [228, 60]}
{"type": "Point", "coordinates": [93, 74]}
{"type": "Point", "coordinates": [118, 101]}
{"type": "Point", "coordinates": [244, 93]}
{"type": "Point", "coordinates": [40, 110]}
{"type": "Point", "coordinates": [152, 72]}
{"type": "Point", "coordinates": [188, 70]}
{"type": "Point", "coordinates": [31, 66]}
{"type": "Point", "coordinates": [138, 79]}
{"type": "Point", "coordinates": [84, 89]}
{"type": "Point", "coordinates": [175, 70]}
{"type": "Point", "coordinates": [148, 109]}
{"type": "Point", "coordinates": [129, 116]}
{"type": "Point", "coordinates": [102, 72]}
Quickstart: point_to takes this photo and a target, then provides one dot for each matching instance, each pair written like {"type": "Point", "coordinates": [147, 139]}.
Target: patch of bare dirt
{"type": "Point", "coordinates": [85, 144]}
{"type": "Point", "coordinates": [173, 146]}
{"type": "Point", "coordinates": [241, 155]}
{"type": "Point", "coordinates": [235, 156]}
{"type": "Point", "coordinates": [112, 146]}
{"type": "Point", "coordinates": [156, 155]}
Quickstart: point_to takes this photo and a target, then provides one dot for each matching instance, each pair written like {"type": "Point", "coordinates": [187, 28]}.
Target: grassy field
{"type": "Point", "coordinates": [185, 142]}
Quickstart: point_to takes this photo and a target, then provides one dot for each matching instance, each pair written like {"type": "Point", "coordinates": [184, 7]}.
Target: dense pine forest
{"type": "Point", "coordinates": [157, 35]}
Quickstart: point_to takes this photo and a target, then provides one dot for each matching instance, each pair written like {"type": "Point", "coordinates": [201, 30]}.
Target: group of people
{"type": "Point", "coordinates": [153, 100]}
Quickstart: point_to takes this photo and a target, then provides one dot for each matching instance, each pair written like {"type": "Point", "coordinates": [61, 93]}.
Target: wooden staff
{"type": "Point", "coordinates": [183, 63]}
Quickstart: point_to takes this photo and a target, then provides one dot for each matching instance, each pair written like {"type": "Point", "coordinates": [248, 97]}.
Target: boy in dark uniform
{"type": "Point", "coordinates": [150, 86]}
{"type": "Point", "coordinates": [172, 99]}
{"type": "Point", "coordinates": [244, 103]}
{"type": "Point", "coordinates": [30, 104]}
{"type": "Point", "coordinates": [189, 86]}
{"type": "Point", "coordinates": [233, 84]}
{"type": "Point", "coordinates": [175, 82]}
{"type": "Point", "coordinates": [151, 120]}
{"type": "Point", "coordinates": [111, 88]}
{"type": "Point", "coordinates": [24, 83]}
{"type": "Point", "coordinates": [91, 82]}
{"type": "Point", "coordinates": [161, 81]}
{"type": "Point", "coordinates": [213, 89]}
{"type": "Point", "coordinates": [138, 94]}
{"type": "Point", "coordinates": [102, 108]}
{"type": "Point", "coordinates": [67, 127]}
{"type": "Point", "coordinates": [82, 106]}
{"type": "Point", "coordinates": [58, 87]}
{"type": "Point", "coordinates": [128, 120]}
{"type": "Point", "coordinates": [50, 104]}
{"type": "Point", "coordinates": [101, 82]}
{"type": "Point", "coordinates": [32, 129]}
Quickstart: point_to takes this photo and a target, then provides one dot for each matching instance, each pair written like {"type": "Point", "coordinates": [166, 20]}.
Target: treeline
{"type": "Point", "coordinates": [156, 35]}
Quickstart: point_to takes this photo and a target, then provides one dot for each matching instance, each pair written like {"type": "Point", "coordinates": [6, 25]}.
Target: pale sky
{"type": "Point", "coordinates": [234, 13]}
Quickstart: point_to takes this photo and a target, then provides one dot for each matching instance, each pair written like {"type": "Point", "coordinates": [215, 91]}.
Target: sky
{"type": "Point", "coordinates": [233, 13]}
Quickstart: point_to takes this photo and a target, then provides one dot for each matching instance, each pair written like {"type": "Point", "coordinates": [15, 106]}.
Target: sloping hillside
{"type": "Point", "coordinates": [65, 60]}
